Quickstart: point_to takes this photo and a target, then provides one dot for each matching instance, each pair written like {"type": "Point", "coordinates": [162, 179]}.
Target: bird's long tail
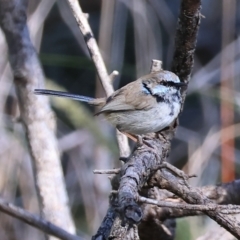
{"type": "Point", "coordinates": [65, 95]}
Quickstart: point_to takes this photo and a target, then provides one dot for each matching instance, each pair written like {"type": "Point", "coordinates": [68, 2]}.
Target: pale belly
{"type": "Point", "coordinates": [142, 122]}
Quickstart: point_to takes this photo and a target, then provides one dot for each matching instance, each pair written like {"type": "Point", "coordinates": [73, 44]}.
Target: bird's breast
{"type": "Point", "coordinates": [153, 119]}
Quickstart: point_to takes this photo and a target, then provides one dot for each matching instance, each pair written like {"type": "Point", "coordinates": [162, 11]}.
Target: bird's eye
{"type": "Point", "coordinates": [173, 84]}
{"type": "Point", "coordinates": [168, 83]}
{"type": "Point", "coordinates": [159, 99]}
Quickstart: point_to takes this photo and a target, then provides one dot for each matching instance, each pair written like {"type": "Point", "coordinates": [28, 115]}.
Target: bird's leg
{"type": "Point", "coordinates": [136, 138]}
{"type": "Point", "coordinates": [131, 136]}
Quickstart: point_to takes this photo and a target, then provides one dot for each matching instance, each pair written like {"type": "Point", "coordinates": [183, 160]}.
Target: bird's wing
{"type": "Point", "coordinates": [129, 97]}
{"type": "Point", "coordinates": [116, 102]}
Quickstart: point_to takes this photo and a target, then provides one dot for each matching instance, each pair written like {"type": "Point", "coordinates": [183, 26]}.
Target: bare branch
{"type": "Point", "coordinates": [226, 209]}
{"type": "Point", "coordinates": [113, 75]}
{"type": "Point", "coordinates": [170, 182]}
{"type": "Point", "coordinates": [226, 194]}
{"type": "Point", "coordinates": [35, 221]}
{"type": "Point", "coordinates": [107, 171]}
{"type": "Point", "coordinates": [105, 79]}
{"type": "Point", "coordinates": [92, 46]}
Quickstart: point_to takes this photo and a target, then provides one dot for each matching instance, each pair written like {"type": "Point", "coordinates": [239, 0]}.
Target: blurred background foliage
{"type": "Point", "coordinates": [130, 34]}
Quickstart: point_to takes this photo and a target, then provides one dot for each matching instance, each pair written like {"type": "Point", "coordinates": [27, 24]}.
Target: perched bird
{"type": "Point", "coordinates": [146, 105]}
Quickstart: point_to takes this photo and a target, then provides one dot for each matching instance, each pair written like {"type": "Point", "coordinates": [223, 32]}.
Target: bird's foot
{"type": "Point", "coordinates": [142, 144]}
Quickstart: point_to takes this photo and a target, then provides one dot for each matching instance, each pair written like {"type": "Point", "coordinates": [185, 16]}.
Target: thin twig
{"type": "Point", "coordinates": [156, 66]}
{"type": "Point", "coordinates": [99, 64]}
{"type": "Point", "coordinates": [226, 209]}
{"type": "Point", "coordinates": [92, 46]}
{"type": "Point", "coordinates": [107, 171]}
{"type": "Point", "coordinates": [113, 75]}
{"type": "Point", "coordinates": [36, 221]}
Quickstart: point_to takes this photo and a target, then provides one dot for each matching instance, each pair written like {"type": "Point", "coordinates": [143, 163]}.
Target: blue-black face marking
{"type": "Point", "coordinates": [146, 90]}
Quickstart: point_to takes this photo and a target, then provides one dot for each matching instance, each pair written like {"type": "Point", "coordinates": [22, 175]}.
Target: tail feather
{"type": "Point", "coordinates": [64, 94]}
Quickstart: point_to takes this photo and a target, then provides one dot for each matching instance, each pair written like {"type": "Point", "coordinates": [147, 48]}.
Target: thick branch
{"type": "Point", "coordinates": [186, 38]}
{"type": "Point", "coordinates": [36, 115]}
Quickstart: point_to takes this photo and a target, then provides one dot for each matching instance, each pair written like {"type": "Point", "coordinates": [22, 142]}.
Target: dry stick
{"type": "Point", "coordinates": [99, 64]}
{"type": "Point", "coordinates": [169, 181]}
{"type": "Point", "coordinates": [92, 45]}
{"type": "Point", "coordinates": [226, 194]}
{"type": "Point", "coordinates": [230, 209]}
{"type": "Point", "coordinates": [35, 221]}
{"type": "Point", "coordinates": [107, 171]}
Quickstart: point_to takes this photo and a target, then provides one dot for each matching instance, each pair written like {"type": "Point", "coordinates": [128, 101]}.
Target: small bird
{"type": "Point", "coordinates": [147, 105]}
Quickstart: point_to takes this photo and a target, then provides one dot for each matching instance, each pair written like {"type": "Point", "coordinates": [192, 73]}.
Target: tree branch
{"type": "Point", "coordinates": [105, 79]}
{"type": "Point", "coordinates": [35, 221]}
{"type": "Point", "coordinates": [230, 209]}
{"type": "Point", "coordinates": [36, 114]}
{"type": "Point", "coordinates": [169, 181]}
{"type": "Point", "coordinates": [227, 193]}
